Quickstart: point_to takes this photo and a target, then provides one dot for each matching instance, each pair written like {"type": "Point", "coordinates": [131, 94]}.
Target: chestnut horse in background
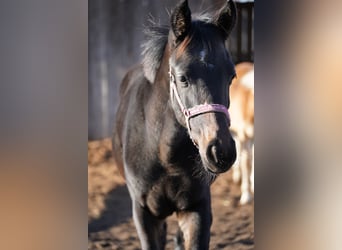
{"type": "Point", "coordinates": [242, 114]}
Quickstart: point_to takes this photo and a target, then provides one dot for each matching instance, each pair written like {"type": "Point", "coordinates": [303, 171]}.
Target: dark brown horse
{"type": "Point", "coordinates": [171, 137]}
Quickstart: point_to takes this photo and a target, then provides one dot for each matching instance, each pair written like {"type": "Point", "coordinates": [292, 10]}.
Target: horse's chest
{"type": "Point", "coordinates": [173, 193]}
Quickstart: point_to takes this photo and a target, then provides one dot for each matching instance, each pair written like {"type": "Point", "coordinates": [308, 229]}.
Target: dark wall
{"type": "Point", "coordinates": [115, 35]}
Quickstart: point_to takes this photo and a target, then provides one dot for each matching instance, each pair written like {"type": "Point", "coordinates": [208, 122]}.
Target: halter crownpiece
{"type": "Point", "coordinates": [197, 109]}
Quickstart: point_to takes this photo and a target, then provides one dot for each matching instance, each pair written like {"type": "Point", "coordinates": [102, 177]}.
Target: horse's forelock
{"type": "Point", "coordinates": [183, 45]}
{"type": "Point", "coordinates": [155, 43]}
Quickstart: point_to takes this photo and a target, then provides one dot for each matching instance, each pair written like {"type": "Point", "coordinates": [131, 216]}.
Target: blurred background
{"type": "Point", "coordinates": [115, 35]}
{"type": "Point", "coordinates": [44, 128]}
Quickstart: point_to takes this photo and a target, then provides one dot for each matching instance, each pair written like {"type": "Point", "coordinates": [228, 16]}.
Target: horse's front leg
{"type": "Point", "coordinates": [195, 226]}
{"type": "Point", "coordinates": [151, 230]}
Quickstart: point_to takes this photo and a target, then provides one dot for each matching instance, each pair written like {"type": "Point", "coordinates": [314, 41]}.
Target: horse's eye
{"type": "Point", "coordinates": [183, 81]}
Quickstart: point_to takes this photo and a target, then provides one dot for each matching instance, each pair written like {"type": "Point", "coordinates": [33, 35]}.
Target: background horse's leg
{"type": "Point", "coordinates": [246, 195]}
{"type": "Point", "coordinates": [151, 230]}
{"type": "Point", "coordinates": [195, 226]}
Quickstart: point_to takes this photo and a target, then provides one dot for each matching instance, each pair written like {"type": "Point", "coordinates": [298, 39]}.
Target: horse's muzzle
{"type": "Point", "coordinates": [220, 156]}
{"type": "Point", "coordinates": [216, 146]}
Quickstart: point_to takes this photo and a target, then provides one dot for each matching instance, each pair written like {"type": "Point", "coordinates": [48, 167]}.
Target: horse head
{"type": "Point", "coordinates": [201, 72]}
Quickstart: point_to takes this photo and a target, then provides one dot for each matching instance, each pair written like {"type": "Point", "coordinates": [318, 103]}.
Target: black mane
{"type": "Point", "coordinates": [153, 48]}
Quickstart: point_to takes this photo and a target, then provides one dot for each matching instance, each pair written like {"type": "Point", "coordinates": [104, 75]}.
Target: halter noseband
{"type": "Point", "coordinates": [197, 109]}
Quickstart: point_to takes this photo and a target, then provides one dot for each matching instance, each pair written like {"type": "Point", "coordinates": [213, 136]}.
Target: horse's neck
{"type": "Point", "coordinates": [159, 111]}
{"type": "Point", "coordinates": [162, 79]}
{"type": "Point", "coordinates": [160, 92]}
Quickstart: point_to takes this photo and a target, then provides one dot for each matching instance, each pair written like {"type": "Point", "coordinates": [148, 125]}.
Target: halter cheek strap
{"type": "Point", "coordinates": [196, 110]}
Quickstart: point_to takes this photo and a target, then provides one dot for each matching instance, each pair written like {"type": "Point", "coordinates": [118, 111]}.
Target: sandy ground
{"type": "Point", "coordinates": [110, 224]}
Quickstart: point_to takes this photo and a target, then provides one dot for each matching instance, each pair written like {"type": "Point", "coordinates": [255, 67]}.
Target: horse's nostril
{"type": "Point", "coordinates": [212, 153]}
{"type": "Point", "coordinates": [219, 155]}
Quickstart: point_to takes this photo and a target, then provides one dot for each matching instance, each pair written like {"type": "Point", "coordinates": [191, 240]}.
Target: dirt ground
{"type": "Point", "coordinates": [110, 224]}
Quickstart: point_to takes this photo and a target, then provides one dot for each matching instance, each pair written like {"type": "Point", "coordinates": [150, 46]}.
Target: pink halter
{"type": "Point", "coordinates": [196, 110]}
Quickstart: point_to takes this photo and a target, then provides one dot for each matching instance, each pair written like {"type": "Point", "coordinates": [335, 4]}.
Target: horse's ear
{"type": "Point", "coordinates": [226, 17]}
{"type": "Point", "coordinates": [181, 21]}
